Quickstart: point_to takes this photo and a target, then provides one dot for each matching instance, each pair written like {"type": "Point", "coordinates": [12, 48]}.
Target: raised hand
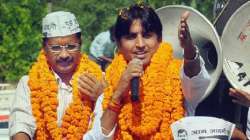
{"type": "Point", "coordinates": [183, 31]}
{"type": "Point", "coordinates": [90, 86]}
{"type": "Point", "coordinates": [185, 38]}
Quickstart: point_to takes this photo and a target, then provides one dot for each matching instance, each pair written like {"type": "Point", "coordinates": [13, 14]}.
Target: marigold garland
{"type": "Point", "coordinates": [161, 98]}
{"type": "Point", "coordinates": [44, 101]}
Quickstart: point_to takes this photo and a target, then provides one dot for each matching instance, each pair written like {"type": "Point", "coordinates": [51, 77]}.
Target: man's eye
{"type": "Point", "coordinates": [130, 36]}
{"type": "Point", "coordinates": [55, 48]}
{"type": "Point", "coordinates": [71, 47]}
{"type": "Point", "coordinates": [147, 35]}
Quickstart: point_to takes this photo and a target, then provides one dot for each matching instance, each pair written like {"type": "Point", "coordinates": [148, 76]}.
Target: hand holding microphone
{"type": "Point", "coordinates": [135, 83]}
{"type": "Point", "coordinates": [130, 79]}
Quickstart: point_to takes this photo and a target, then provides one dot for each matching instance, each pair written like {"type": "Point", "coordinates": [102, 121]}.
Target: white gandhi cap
{"type": "Point", "coordinates": [60, 23]}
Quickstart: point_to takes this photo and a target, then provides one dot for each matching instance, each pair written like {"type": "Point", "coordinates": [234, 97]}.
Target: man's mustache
{"type": "Point", "coordinates": [65, 60]}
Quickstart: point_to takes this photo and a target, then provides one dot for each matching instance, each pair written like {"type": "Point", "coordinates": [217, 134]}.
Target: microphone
{"type": "Point", "coordinates": [134, 83]}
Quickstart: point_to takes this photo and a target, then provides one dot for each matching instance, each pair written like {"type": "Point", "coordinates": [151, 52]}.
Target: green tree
{"type": "Point", "coordinates": [20, 36]}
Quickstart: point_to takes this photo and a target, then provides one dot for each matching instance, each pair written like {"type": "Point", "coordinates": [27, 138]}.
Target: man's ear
{"type": "Point", "coordinates": [44, 42]}
{"type": "Point", "coordinates": [43, 47]}
{"type": "Point", "coordinates": [159, 39]}
{"type": "Point", "coordinates": [118, 46]}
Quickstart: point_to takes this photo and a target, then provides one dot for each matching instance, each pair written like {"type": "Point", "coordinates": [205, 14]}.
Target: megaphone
{"type": "Point", "coordinates": [235, 41]}
{"type": "Point", "coordinates": [203, 34]}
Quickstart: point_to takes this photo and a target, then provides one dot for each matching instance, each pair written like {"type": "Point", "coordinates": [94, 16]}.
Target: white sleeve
{"type": "Point", "coordinates": [96, 131]}
{"type": "Point", "coordinates": [21, 118]}
{"type": "Point", "coordinates": [194, 88]}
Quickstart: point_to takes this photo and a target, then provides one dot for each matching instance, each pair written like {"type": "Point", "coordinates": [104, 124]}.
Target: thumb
{"type": "Point", "coordinates": [185, 15]}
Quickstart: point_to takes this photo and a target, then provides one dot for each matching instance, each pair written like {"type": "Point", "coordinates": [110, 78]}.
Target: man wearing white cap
{"type": "Point", "coordinates": [48, 103]}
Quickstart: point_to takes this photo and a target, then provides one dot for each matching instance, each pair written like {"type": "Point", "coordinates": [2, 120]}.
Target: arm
{"type": "Point", "coordinates": [21, 123]}
{"type": "Point", "coordinates": [96, 132]}
{"type": "Point", "coordinates": [110, 116]}
{"type": "Point", "coordinates": [89, 86]}
{"type": "Point", "coordinates": [191, 57]}
{"type": "Point", "coordinates": [195, 78]}
{"type": "Point", "coordinates": [194, 88]}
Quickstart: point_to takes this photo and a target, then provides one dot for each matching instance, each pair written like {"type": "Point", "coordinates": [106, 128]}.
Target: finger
{"type": "Point", "coordinates": [179, 30]}
{"type": "Point", "coordinates": [85, 79]}
{"type": "Point", "coordinates": [242, 92]}
{"type": "Point", "coordinates": [86, 93]}
{"type": "Point", "coordinates": [85, 85]}
{"type": "Point", "coordinates": [181, 37]}
{"type": "Point", "coordinates": [236, 95]}
{"type": "Point", "coordinates": [136, 61]}
{"type": "Point", "coordinates": [184, 29]}
{"type": "Point", "coordinates": [238, 102]}
{"type": "Point", "coordinates": [91, 78]}
{"type": "Point", "coordinates": [136, 74]}
{"type": "Point", "coordinates": [134, 68]}
{"type": "Point", "coordinates": [183, 33]}
{"type": "Point", "coordinates": [232, 90]}
{"type": "Point", "coordinates": [239, 93]}
{"type": "Point", "coordinates": [97, 86]}
{"type": "Point", "coordinates": [137, 69]}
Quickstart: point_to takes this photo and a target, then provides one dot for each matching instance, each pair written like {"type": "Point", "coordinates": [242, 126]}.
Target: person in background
{"type": "Point", "coordinates": [102, 48]}
{"type": "Point", "coordinates": [49, 104]}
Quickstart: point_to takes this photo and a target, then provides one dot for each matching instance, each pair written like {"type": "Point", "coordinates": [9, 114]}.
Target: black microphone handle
{"type": "Point", "coordinates": [135, 89]}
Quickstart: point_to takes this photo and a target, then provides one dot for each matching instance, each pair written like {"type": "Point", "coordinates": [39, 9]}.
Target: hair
{"type": "Point", "coordinates": [148, 17]}
{"type": "Point", "coordinates": [78, 35]}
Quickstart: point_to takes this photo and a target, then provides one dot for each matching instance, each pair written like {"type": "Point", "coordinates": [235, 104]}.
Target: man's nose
{"type": "Point", "coordinates": [64, 54]}
{"type": "Point", "coordinates": [140, 43]}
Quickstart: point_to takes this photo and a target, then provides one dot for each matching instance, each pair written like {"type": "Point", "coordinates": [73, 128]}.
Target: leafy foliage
{"type": "Point", "coordinates": [20, 37]}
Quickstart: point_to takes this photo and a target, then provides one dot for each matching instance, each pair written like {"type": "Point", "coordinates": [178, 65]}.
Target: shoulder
{"type": "Point", "coordinates": [24, 79]}
{"type": "Point", "coordinates": [22, 85]}
{"type": "Point", "coordinates": [103, 36]}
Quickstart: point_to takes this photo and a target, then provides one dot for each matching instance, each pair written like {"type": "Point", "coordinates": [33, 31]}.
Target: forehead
{"type": "Point", "coordinates": [64, 39]}
{"type": "Point", "coordinates": [136, 26]}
